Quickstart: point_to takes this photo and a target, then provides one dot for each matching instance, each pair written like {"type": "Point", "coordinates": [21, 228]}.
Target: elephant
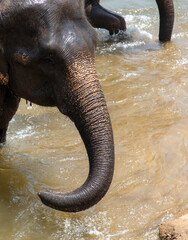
{"type": "Point", "coordinates": [100, 17]}
{"type": "Point", "coordinates": [47, 56]}
{"type": "Point", "coordinates": [166, 12]}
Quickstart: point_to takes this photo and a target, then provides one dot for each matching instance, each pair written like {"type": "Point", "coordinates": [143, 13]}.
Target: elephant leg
{"type": "Point", "coordinates": [100, 17]}
{"type": "Point", "coordinates": [8, 107]}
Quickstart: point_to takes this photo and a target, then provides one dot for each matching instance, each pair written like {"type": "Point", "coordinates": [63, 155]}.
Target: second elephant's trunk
{"type": "Point", "coordinates": [166, 11]}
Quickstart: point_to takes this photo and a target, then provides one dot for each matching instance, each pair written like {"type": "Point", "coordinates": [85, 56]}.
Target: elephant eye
{"type": "Point", "coordinates": [21, 58]}
{"type": "Point", "coordinates": [48, 59]}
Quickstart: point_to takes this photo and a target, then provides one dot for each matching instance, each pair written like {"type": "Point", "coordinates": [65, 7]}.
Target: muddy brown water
{"type": "Point", "coordinates": [146, 88]}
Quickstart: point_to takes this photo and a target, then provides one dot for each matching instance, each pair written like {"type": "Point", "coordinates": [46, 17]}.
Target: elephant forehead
{"type": "Point", "coordinates": [32, 23]}
{"type": "Point", "coordinates": [33, 9]}
{"type": "Point", "coordinates": [69, 9]}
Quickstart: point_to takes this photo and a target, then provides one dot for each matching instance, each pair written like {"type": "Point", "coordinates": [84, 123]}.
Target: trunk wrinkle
{"type": "Point", "coordinates": [89, 112]}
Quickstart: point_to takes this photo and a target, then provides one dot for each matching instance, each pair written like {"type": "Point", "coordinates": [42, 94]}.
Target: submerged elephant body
{"type": "Point", "coordinates": [47, 57]}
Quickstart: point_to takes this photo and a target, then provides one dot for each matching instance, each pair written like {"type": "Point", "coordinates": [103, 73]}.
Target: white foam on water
{"type": "Point", "coordinates": [139, 35]}
{"type": "Point", "coordinates": [180, 35]}
{"type": "Point", "coordinates": [26, 132]}
{"type": "Point", "coordinates": [140, 21]}
{"type": "Point", "coordinates": [119, 234]}
{"type": "Point", "coordinates": [183, 62]}
{"type": "Point", "coordinates": [95, 232]}
{"type": "Point", "coordinates": [135, 39]}
{"type": "Point", "coordinates": [131, 34]}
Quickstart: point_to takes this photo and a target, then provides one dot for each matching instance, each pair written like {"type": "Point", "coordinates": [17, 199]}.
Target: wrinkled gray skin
{"type": "Point", "coordinates": [47, 57]}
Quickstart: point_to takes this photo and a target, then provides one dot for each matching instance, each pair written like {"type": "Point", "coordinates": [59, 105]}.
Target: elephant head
{"type": "Point", "coordinates": [47, 57]}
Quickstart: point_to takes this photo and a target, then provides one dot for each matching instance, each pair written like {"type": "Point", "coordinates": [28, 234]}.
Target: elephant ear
{"type": "Point", "coordinates": [4, 78]}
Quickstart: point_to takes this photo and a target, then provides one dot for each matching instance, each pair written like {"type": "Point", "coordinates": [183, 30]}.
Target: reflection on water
{"type": "Point", "coordinates": [146, 87]}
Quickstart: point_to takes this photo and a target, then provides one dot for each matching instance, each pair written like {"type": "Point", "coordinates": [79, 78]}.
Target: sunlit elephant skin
{"type": "Point", "coordinates": [100, 17]}
{"type": "Point", "coordinates": [47, 57]}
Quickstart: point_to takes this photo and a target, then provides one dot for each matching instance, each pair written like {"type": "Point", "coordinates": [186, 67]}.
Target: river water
{"type": "Point", "coordinates": [146, 88]}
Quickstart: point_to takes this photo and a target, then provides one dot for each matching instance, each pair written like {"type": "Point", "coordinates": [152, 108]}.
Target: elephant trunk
{"type": "Point", "coordinates": [99, 17]}
{"type": "Point", "coordinates": [86, 106]}
{"type": "Point", "coordinates": [166, 11]}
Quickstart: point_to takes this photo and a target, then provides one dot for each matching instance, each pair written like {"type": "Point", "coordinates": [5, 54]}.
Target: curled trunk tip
{"type": "Point", "coordinates": [94, 125]}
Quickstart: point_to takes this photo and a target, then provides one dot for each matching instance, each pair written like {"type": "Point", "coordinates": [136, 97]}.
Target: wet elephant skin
{"type": "Point", "coordinates": [47, 57]}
